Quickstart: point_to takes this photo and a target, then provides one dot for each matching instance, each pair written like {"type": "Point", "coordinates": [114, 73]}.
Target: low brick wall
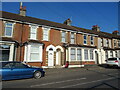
{"type": "Point", "coordinates": [81, 63]}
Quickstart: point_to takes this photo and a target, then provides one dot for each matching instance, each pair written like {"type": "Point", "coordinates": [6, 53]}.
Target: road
{"type": "Point", "coordinates": [88, 78]}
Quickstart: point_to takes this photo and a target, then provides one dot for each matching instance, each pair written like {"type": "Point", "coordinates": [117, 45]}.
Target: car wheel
{"type": "Point", "coordinates": [37, 74]}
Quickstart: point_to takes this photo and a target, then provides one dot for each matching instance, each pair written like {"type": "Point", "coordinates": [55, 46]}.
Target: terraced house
{"type": "Point", "coordinates": [49, 44]}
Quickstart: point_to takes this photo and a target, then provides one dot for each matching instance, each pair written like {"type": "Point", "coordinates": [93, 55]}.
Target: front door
{"type": "Point", "coordinates": [50, 57]}
{"type": "Point", "coordinates": [58, 57]}
{"type": "Point", "coordinates": [96, 57]}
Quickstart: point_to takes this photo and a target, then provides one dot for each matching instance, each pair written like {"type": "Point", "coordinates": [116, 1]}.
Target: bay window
{"type": "Point", "coordinates": [79, 54]}
{"type": "Point", "coordinates": [73, 54]}
{"type": "Point", "coordinates": [86, 54]}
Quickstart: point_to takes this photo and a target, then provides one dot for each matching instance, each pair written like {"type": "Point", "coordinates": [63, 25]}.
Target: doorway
{"type": "Point", "coordinates": [96, 57]}
{"type": "Point", "coordinates": [58, 57]}
{"type": "Point", "coordinates": [50, 57]}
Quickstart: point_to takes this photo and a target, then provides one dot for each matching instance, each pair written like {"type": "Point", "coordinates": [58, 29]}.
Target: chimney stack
{"type": "Point", "coordinates": [116, 32]}
{"type": "Point", "coordinates": [96, 28]}
{"type": "Point", "coordinates": [22, 9]}
{"type": "Point", "coordinates": [68, 22]}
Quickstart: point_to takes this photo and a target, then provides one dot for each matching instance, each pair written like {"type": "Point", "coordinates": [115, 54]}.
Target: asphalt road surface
{"type": "Point", "coordinates": [88, 78]}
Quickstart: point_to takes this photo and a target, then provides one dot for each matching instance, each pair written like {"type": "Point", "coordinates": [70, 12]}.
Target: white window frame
{"type": "Point", "coordinates": [85, 40]}
{"type": "Point", "coordinates": [71, 54]}
{"type": "Point", "coordinates": [46, 35]}
{"type": "Point", "coordinates": [6, 30]}
{"type": "Point", "coordinates": [86, 55]}
{"type": "Point", "coordinates": [111, 54]}
{"type": "Point", "coordinates": [33, 32]}
{"type": "Point", "coordinates": [102, 42]}
{"type": "Point", "coordinates": [27, 56]}
{"type": "Point", "coordinates": [107, 43]}
{"type": "Point", "coordinates": [79, 54]}
{"type": "Point", "coordinates": [119, 43]}
{"type": "Point", "coordinates": [115, 44]}
{"type": "Point", "coordinates": [72, 39]}
{"type": "Point", "coordinates": [92, 40]}
{"type": "Point", "coordinates": [63, 37]}
{"type": "Point", "coordinates": [91, 54]}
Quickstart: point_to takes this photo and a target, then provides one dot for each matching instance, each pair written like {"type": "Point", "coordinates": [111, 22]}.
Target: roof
{"type": "Point", "coordinates": [8, 15]}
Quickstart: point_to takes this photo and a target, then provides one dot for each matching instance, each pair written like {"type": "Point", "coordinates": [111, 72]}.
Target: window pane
{"type": "Point", "coordinates": [8, 29]}
{"type": "Point", "coordinates": [19, 65]}
{"type": "Point", "coordinates": [33, 36]}
{"type": "Point", "coordinates": [34, 56]}
{"type": "Point", "coordinates": [86, 54]}
{"type": "Point", "coordinates": [85, 39]}
{"type": "Point", "coordinates": [35, 52]}
{"type": "Point", "coordinates": [72, 35]}
{"type": "Point", "coordinates": [45, 34]}
{"type": "Point", "coordinates": [33, 32]}
{"type": "Point", "coordinates": [79, 57]}
{"type": "Point", "coordinates": [91, 54]}
{"type": "Point", "coordinates": [35, 49]}
{"type": "Point", "coordinates": [72, 54]}
{"type": "Point", "coordinates": [72, 41]}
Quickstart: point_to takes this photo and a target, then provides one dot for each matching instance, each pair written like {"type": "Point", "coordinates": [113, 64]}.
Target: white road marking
{"type": "Point", "coordinates": [86, 83]}
{"type": "Point", "coordinates": [110, 74]}
{"type": "Point", "coordinates": [56, 82]}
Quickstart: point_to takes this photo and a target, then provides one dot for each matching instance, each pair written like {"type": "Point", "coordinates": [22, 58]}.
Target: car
{"type": "Point", "coordinates": [115, 61]}
{"type": "Point", "coordinates": [18, 70]}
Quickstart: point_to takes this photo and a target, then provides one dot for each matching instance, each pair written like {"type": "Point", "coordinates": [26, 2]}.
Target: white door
{"type": "Point", "coordinates": [58, 57]}
{"type": "Point", "coordinates": [50, 58]}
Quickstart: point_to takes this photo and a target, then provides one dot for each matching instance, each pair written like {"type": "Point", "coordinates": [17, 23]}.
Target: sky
{"type": "Point", "coordinates": [82, 14]}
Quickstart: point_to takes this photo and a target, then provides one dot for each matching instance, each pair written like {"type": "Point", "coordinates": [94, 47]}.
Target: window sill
{"type": "Point", "coordinates": [33, 61]}
{"type": "Point", "coordinates": [7, 36]}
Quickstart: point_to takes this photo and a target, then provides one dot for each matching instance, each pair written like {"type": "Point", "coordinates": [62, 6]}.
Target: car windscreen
{"type": "Point", "coordinates": [112, 59]}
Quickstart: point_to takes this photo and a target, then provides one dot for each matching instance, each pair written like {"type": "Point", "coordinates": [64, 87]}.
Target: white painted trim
{"type": "Point", "coordinates": [28, 51]}
{"type": "Point", "coordinates": [51, 46]}
{"type": "Point", "coordinates": [48, 26]}
{"type": "Point", "coordinates": [7, 42]}
{"type": "Point", "coordinates": [89, 34]}
{"type": "Point", "coordinates": [11, 52]}
{"type": "Point", "coordinates": [72, 66]}
{"type": "Point", "coordinates": [59, 47]}
{"type": "Point", "coordinates": [5, 29]}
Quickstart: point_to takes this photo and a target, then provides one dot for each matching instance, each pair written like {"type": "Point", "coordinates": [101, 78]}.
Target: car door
{"type": "Point", "coordinates": [7, 71]}
{"type": "Point", "coordinates": [22, 71]}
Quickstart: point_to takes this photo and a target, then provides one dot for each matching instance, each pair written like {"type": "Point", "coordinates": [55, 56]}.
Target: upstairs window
{"type": "Point", "coordinates": [101, 42]}
{"type": "Point", "coordinates": [8, 29]}
{"type": "Point", "coordinates": [92, 40]}
{"type": "Point", "coordinates": [85, 39]}
{"type": "Point", "coordinates": [63, 36]}
{"type": "Point", "coordinates": [72, 38]}
{"type": "Point", "coordinates": [114, 43]}
{"type": "Point", "coordinates": [46, 33]}
{"type": "Point", "coordinates": [33, 32]}
{"type": "Point", "coordinates": [119, 43]}
{"type": "Point", "coordinates": [107, 43]}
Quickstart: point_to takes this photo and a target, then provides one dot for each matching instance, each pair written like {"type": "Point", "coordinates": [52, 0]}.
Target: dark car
{"type": "Point", "coordinates": [18, 70]}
